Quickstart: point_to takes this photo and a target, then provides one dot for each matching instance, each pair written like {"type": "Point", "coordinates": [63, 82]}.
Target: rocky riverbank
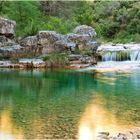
{"type": "Point", "coordinates": [74, 62]}
{"type": "Point", "coordinates": [80, 46]}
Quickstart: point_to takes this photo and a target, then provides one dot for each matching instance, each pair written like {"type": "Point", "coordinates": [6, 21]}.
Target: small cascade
{"type": "Point", "coordinates": [116, 56]}
{"type": "Point", "coordinates": [119, 52]}
{"type": "Point", "coordinates": [135, 55]}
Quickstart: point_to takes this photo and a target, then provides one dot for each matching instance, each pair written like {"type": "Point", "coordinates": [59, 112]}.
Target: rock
{"type": "Point", "coordinates": [30, 43]}
{"type": "Point", "coordinates": [93, 45]}
{"type": "Point", "coordinates": [62, 45]}
{"type": "Point", "coordinates": [73, 57]}
{"type": "Point", "coordinates": [8, 46]}
{"type": "Point", "coordinates": [85, 30]}
{"type": "Point", "coordinates": [4, 40]}
{"type": "Point", "coordinates": [32, 63]}
{"type": "Point", "coordinates": [5, 63]}
{"type": "Point", "coordinates": [45, 42]}
{"type": "Point", "coordinates": [77, 38]}
{"type": "Point", "coordinates": [84, 38]}
{"type": "Point", "coordinates": [47, 39]}
{"type": "Point", "coordinates": [11, 51]}
{"type": "Point", "coordinates": [7, 28]}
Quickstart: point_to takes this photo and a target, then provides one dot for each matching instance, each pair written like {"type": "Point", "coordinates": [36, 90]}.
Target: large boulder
{"type": "Point", "coordinates": [30, 43]}
{"type": "Point", "coordinates": [8, 47]}
{"type": "Point", "coordinates": [84, 38]}
{"type": "Point", "coordinates": [7, 28]}
{"type": "Point", "coordinates": [47, 40]}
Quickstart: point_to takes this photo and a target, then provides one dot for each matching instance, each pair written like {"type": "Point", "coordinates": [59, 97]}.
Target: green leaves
{"type": "Point", "coordinates": [109, 18]}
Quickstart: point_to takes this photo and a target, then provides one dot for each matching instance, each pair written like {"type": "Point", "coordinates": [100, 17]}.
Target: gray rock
{"type": "Point", "coordinates": [73, 57]}
{"type": "Point", "coordinates": [77, 38]}
{"type": "Point", "coordinates": [82, 38]}
{"type": "Point", "coordinates": [34, 63]}
{"type": "Point", "coordinates": [93, 45]}
{"type": "Point", "coordinates": [7, 27]}
{"type": "Point", "coordinates": [85, 30]}
{"type": "Point", "coordinates": [4, 39]}
{"type": "Point", "coordinates": [10, 51]}
{"type": "Point", "coordinates": [47, 39]}
{"type": "Point", "coordinates": [30, 43]}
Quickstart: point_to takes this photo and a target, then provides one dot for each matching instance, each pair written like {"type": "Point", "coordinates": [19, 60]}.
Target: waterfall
{"type": "Point", "coordinates": [123, 55]}
{"type": "Point", "coordinates": [119, 52]}
{"type": "Point", "coordinates": [135, 55]}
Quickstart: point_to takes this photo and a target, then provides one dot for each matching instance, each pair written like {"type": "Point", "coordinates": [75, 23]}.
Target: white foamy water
{"type": "Point", "coordinates": [119, 52]}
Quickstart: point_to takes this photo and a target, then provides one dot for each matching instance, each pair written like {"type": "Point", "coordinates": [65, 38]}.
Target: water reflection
{"type": "Point", "coordinates": [67, 105]}
{"type": "Point", "coordinates": [6, 127]}
{"type": "Point", "coordinates": [97, 118]}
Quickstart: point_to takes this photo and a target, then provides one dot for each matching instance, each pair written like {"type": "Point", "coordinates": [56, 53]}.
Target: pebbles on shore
{"type": "Point", "coordinates": [129, 135]}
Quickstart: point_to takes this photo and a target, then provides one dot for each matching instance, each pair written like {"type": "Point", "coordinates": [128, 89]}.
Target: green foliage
{"type": "Point", "coordinates": [84, 14]}
{"type": "Point", "coordinates": [1, 57]}
{"type": "Point", "coordinates": [117, 21]}
{"type": "Point", "coordinates": [56, 59]}
{"type": "Point", "coordinates": [113, 20]}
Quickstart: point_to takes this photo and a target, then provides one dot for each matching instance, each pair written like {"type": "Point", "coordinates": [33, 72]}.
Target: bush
{"type": "Point", "coordinates": [56, 59]}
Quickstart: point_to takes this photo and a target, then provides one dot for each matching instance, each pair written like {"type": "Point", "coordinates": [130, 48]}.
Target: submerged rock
{"type": "Point", "coordinates": [130, 135]}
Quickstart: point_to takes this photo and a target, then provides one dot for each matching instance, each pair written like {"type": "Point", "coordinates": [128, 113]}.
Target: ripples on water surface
{"type": "Point", "coordinates": [58, 104]}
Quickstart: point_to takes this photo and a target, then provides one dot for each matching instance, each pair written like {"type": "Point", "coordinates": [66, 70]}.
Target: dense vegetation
{"type": "Point", "coordinates": [117, 21]}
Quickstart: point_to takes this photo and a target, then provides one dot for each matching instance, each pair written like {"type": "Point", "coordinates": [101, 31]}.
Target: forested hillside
{"type": "Point", "coordinates": [117, 21]}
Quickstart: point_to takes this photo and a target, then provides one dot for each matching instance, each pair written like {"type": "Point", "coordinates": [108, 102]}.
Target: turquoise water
{"type": "Point", "coordinates": [63, 104]}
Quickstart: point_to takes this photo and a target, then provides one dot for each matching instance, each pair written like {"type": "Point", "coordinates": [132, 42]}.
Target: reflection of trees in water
{"type": "Point", "coordinates": [48, 104]}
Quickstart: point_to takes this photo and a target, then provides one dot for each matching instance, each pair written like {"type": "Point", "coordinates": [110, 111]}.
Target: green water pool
{"type": "Point", "coordinates": [67, 104]}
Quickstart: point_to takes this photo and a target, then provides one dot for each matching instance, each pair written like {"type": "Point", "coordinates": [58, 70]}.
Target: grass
{"type": "Point", "coordinates": [56, 59]}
